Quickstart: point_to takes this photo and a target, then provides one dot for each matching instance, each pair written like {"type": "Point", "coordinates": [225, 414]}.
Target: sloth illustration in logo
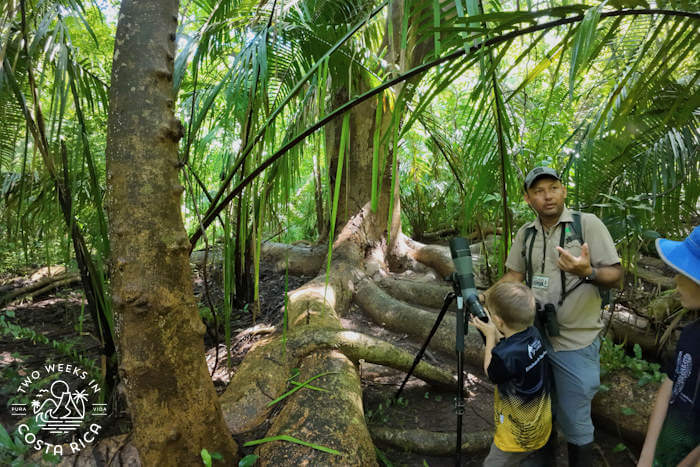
{"type": "Point", "coordinates": [63, 405]}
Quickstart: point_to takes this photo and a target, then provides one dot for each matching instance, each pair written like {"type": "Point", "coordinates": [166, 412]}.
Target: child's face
{"type": "Point", "coordinates": [689, 291]}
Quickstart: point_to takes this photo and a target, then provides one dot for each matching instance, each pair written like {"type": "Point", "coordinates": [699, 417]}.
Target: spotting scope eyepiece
{"type": "Point", "coordinates": [462, 259]}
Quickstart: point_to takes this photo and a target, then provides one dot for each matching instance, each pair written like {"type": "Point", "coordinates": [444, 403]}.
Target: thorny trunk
{"type": "Point", "coordinates": [172, 401]}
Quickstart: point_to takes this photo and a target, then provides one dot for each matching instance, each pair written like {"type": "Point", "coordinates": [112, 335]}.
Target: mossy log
{"type": "Point", "coordinates": [330, 418]}
{"type": "Point", "coordinates": [662, 306]}
{"type": "Point", "coordinates": [298, 259]}
{"type": "Point", "coordinates": [264, 373]}
{"type": "Point", "coordinates": [662, 281]}
{"type": "Point", "coordinates": [427, 294]}
{"type": "Point", "coordinates": [319, 347]}
{"type": "Point", "coordinates": [434, 256]}
{"type": "Point", "coordinates": [358, 346]}
{"type": "Point", "coordinates": [431, 442]}
{"type": "Point", "coordinates": [630, 328]}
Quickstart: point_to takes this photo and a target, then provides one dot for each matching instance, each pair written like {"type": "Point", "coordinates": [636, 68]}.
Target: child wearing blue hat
{"type": "Point", "coordinates": [673, 434]}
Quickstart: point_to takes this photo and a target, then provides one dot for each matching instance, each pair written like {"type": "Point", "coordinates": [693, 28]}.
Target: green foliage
{"type": "Point", "coordinates": [378, 415]}
{"type": "Point", "coordinates": [206, 315]}
{"type": "Point", "coordinates": [382, 457]}
{"type": "Point", "coordinates": [291, 439]}
{"type": "Point", "coordinates": [67, 348]}
{"type": "Point", "coordinates": [625, 220]}
{"type": "Point", "coordinates": [248, 461]}
{"type": "Point", "coordinates": [298, 386]}
{"type": "Point", "coordinates": [250, 80]}
{"type": "Point", "coordinates": [619, 447]}
{"type": "Point", "coordinates": [255, 86]}
{"type": "Point", "coordinates": [208, 457]}
{"type": "Point", "coordinates": [613, 357]}
{"type": "Point", "coordinates": [14, 452]}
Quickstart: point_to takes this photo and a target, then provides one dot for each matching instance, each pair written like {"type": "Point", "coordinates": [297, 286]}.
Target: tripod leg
{"type": "Point", "coordinates": [445, 305]}
{"type": "Point", "coordinates": [459, 400]}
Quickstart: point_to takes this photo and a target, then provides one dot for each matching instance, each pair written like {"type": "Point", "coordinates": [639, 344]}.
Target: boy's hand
{"type": "Point", "coordinates": [489, 329]}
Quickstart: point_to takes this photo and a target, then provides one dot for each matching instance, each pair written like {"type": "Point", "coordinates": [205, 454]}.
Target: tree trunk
{"type": "Point", "coordinates": [363, 240]}
{"type": "Point", "coordinates": [172, 401]}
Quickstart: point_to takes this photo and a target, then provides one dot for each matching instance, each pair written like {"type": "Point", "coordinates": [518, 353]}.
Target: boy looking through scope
{"type": "Point", "coordinates": [514, 360]}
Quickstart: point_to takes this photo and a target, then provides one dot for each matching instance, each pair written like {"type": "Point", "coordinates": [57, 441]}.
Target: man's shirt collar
{"type": "Point", "coordinates": [564, 217]}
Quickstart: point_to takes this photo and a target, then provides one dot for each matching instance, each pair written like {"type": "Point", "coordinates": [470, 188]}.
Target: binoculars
{"type": "Point", "coordinates": [546, 318]}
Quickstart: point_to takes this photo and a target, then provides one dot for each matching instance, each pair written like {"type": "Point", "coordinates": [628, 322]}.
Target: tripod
{"type": "Point", "coordinates": [461, 331]}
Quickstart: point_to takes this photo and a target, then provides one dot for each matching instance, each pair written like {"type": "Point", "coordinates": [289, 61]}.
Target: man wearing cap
{"type": "Point", "coordinates": [673, 434]}
{"type": "Point", "coordinates": [564, 256]}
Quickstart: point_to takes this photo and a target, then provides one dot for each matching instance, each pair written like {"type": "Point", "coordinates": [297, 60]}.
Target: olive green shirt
{"type": "Point", "coordinates": [579, 315]}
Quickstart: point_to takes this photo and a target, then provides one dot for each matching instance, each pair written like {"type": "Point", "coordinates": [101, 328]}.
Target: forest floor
{"type": "Point", "coordinates": [55, 316]}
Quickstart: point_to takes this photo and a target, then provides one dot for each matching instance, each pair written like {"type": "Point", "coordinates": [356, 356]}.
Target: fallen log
{"type": "Point", "coordinates": [428, 294]}
{"type": "Point", "coordinates": [662, 281]}
{"type": "Point", "coordinates": [325, 419]}
{"type": "Point", "coordinates": [434, 256]}
{"type": "Point", "coordinates": [299, 259]}
{"type": "Point", "coordinates": [431, 442]}
{"type": "Point", "coordinates": [329, 418]}
{"type": "Point", "coordinates": [43, 285]}
{"type": "Point", "coordinates": [358, 346]}
{"type": "Point", "coordinates": [438, 235]}
{"type": "Point", "coordinates": [438, 258]}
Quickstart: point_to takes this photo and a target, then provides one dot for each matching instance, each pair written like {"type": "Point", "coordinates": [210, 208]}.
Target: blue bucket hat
{"type": "Point", "coordinates": [683, 256]}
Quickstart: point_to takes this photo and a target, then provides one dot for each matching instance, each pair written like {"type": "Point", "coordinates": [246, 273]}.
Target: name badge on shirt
{"type": "Point", "coordinates": [540, 282]}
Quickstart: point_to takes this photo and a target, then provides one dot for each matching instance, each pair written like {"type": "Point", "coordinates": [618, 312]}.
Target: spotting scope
{"type": "Point", "coordinates": [464, 276]}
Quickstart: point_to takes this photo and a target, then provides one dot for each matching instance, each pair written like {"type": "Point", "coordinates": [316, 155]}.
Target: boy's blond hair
{"type": "Point", "coordinates": [514, 303]}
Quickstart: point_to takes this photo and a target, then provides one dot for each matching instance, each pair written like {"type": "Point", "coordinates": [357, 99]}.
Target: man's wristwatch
{"type": "Point", "coordinates": [591, 277]}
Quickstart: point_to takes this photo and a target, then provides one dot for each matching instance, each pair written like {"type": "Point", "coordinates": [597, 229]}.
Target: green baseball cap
{"type": "Point", "coordinates": [538, 172]}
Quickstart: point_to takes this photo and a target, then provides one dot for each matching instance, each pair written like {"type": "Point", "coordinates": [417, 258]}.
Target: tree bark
{"type": "Point", "coordinates": [326, 419]}
{"type": "Point", "coordinates": [172, 401]}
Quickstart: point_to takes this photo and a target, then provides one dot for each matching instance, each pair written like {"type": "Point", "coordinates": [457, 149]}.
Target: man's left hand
{"type": "Point", "coordinates": [577, 265]}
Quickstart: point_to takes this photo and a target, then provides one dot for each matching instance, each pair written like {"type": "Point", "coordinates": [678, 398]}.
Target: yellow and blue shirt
{"type": "Point", "coordinates": [522, 400]}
